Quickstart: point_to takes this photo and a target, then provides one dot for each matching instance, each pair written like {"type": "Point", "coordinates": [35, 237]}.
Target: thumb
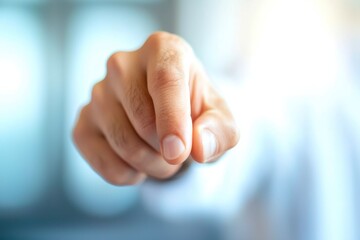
{"type": "Point", "coordinates": [214, 132]}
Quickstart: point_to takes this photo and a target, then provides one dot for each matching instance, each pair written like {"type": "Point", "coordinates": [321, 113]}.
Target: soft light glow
{"type": "Point", "coordinates": [298, 62]}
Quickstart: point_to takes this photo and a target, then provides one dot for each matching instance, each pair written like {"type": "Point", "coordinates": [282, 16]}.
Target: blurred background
{"type": "Point", "coordinates": [290, 70]}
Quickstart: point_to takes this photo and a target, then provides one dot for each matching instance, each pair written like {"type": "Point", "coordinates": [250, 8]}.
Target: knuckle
{"type": "Point", "coordinates": [168, 113]}
{"type": "Point", "coordinates": [164, 79]}
{"type": "Point", "coordinates": [114, 63]}
{"type": "Point", "coordinates": [99, 98]}
{"type": "Point", "coordinates": [137, 101]}
{"type": "Point", "coordinates": [96, 92]}
{"type": "Point", "coordinates": [157, 38]}
{"type": "Point", "coordinates": [145, 124]}
{"type": "Point", "coordinates": [170, 57]}
{"type": "Point", "coordinates": [123, 140]}
{"type": "Point", "coordinates": [120, 137]}
{"type": "Point", "coordinates": [141, 110]}
{"type": "Point", "coordinates": [164, 40]}
{"type": "Point", "coordinates": [78, 131]}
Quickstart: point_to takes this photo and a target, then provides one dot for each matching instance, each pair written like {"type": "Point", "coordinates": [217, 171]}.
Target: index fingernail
{"type": "Point", "coordinates": [172, 147]}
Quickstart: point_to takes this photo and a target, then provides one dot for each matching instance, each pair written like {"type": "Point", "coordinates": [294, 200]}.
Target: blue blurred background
{"type": "Point", "coordinates": [290, 70]}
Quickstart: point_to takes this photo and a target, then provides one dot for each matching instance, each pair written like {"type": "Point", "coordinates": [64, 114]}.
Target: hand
{"type": "Point", "coordinates": [154, 108]}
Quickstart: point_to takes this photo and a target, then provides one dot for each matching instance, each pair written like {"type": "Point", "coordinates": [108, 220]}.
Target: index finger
{"type": "Point", "coordinates": [168, 74]}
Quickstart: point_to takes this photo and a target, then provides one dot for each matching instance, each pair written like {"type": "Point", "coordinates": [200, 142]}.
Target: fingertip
{"type": "Point", "coordinates": [176, 139]}
{"type": "Point", "coordinates": [209, 144]}
{"type": "Point", "coordinates": [173, 149]}
{"type": "Point", "coordinates": [205, 144]}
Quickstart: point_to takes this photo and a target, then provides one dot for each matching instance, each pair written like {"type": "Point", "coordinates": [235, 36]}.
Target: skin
{"type": "Point", "coordinates": [147, 95]}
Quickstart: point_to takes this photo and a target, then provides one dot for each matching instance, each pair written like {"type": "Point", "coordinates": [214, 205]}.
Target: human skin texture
{"type": "Point", "coordinates": [154, 108]}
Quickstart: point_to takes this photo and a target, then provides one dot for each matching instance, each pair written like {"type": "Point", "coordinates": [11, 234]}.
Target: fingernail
{"type": "Point", "coordinates": [172, 147]}
{"type": "Point", "coordinates": [209, 144]}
